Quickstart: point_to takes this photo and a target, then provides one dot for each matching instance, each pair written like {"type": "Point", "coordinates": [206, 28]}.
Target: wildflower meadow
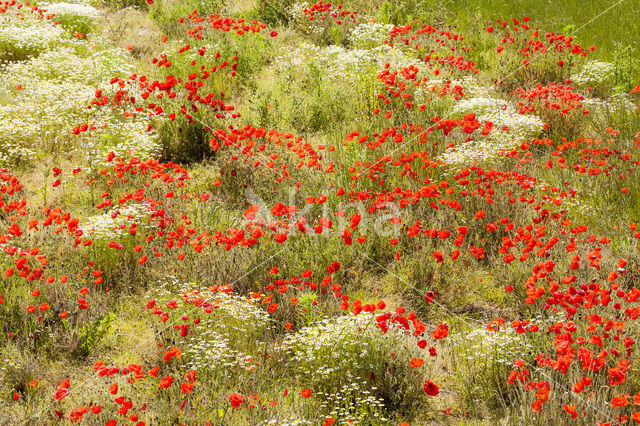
{"type": "Point", "coordinates": [282, 212]}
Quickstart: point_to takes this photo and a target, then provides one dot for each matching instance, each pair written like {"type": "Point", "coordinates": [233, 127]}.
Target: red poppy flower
{"type": "Point", "coordinates": [431, 388]}
{"type": "Point", "coordinates": [173, 352]}
{"type": "Point", "coordinates": [235, 399]}
{"type": "Point", "coordinates": [166, 382]}
{"type": "Point", "coordinates": [417, 362]}
{"type": "Point", "coordinates": [441, 331]}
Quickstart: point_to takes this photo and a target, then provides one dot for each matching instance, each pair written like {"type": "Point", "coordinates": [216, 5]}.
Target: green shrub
{"type": "Point", "coordinates": [275, 12]}
{"type": "Point", "coordinates": [185, 142]}
{"type": "Point", "coordinates": [333, 353]}
{"type": "Point", "coordinates": [92, 333]}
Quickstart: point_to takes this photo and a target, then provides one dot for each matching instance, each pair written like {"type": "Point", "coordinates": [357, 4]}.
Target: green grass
{"type": "Point", "coordinates": [606, 24]}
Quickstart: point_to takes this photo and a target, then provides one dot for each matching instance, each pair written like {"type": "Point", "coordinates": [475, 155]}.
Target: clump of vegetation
{"type": "Point", "coordinates": [280, 212]}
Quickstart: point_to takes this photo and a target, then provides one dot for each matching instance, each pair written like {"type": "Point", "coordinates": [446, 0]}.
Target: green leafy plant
{"type": "Point", "coordinates": [625, 71]}
{"type": "Point", "coordinates": [274, 12]}
{"type": "Point", "coordinates": [336, 35]}
{"type": "Point", "coordinates": [92, 333]}
{"type": "Point", "coordinates": [307, 302]}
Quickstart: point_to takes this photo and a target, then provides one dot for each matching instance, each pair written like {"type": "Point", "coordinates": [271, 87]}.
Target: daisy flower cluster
{"type": "Point", "coordinates": [72, 9]}
{"type": "Point", "coordinates": [595, 74]}
{"type": "Point", "coordinates": [327, 351]}
{"type": "Point", "coordinates": [61, 83]}
{"type": "Point", "coordinates": [292, 421]}
{"type": "Point", "coordinates": [499, 346]}
{"type": "Point", "coordinates": [368, 35]}
{"type": "Point", "coordinates": [354, 403]}
{"type": "Point", "coordinates": [219, 337]}
{"type": "Point", "coordinates": [333, 59]}
{"type": "Point", "coordinates": [510, 129]}
{"type": "Point", "coordinates": [617, 102]}
{"type": "Point", "coordinates": [126, 140]}
{"type": "Point", "coordinates": [77, 18]}
{"type": "Point", "coordinates": [500, 342]}
{"type": "Point", "coordinates": [27, 34]}
{"type": "Point", "coordinates": [357, 67]}
{"type": "Point", "coordinates": [116, 223]}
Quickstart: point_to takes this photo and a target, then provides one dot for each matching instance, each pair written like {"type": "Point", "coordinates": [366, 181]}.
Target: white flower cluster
{"type": "Point", "coordinates": [510, 129]}
{"type": "Point", "coordinates": [357, 67]}
{"type": "Point", "coordinates": [595, 74]}
{"type": "Point", "coordinates": [207, 352]}
{"type": "Point", "coordinates": [354, 403]}
{"type": "Point", "coordinates": [22, 38]}
{"type": "Point", "coordinates": [521, 127]}
{"type": "Point", "coordinates": [500, 347]}
{"type": "Point", "coordinates": [71, 9]}
{"type": "Point", "coordinates": [472, 88]}
{"type": "Point", "coordinates": [503, 346]}
{"type": "Point", "coordinates": [126, 139]}
{"type": "Point", "coordinates": [370, 34]}
{"type": "Point", "coordinates": [336, 346]}
{"type": "Point", "coordinates": [287, 422]}
{"type": "Point", "coordinates": [337, 355]}
{"type": "Point", "coordinates": [79, 63]}
{"type": "Point", "coordinates": [600, 108]}
{"type": "Point", "coordinates": [237, 314]}
{"type": "Point", "coordinates": [12, 153]}
{"type": "Point", "coordinates": [333, 59]}
{"type": "Point", "coordinates": [38, 111]}
{"type": "Point", "coordinates": [115, 223]}
{"type": "Point", "coordinates": [296, 14]}
{"type": "Point", "coordinates": [220, 340]}
{"type": "Point", "coordinates": [481, 106]}
{"type": "Point", "coordinates": [46, 96]}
